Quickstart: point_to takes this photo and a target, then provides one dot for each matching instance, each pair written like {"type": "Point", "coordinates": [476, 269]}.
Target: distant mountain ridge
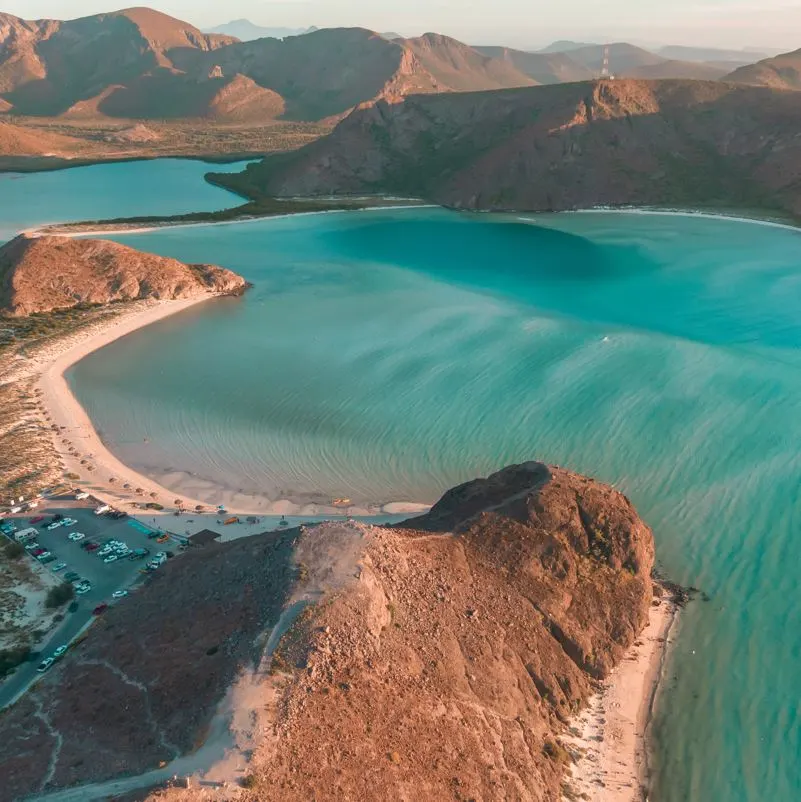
{"type": "Point", "coordinates": [246, 31]}
{"type": "Point", "coordinates": [141, 64]}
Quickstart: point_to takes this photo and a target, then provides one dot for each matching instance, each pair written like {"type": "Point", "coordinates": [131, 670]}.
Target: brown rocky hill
{"type": "Point", "coordinates": [559, 147]}
{"type": "Point", "coordinates": [327, 72]}
{"type": "Point", "coordinates": [781, 72]}
{"type": "Point", "coordinates": [38, 274]}
{"type": "Point", "coordinates": [458, 67]}
{"type": "Point", "coordinates": [544, 68]}
{"type": "Point", "coordinates": [48, 66]}
{"type": "Point", "coordinates": [439, 659]}
{"type": "Point", "coordinates": [143, 64]}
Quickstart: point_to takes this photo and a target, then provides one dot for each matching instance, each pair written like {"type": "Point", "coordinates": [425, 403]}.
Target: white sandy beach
{"type": "Point", "coordinates": [76, 440]}
{"type": "Point", "coordinates": [614, 728]}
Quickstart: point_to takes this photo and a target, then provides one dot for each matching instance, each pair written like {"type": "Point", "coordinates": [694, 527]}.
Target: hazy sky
{"type": "Point", "coordinates": [736, 23]}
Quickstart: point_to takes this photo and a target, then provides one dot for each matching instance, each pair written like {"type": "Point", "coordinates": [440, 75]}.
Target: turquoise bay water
{"type": "Point", "coordinates": [104, 191]}
{"type": "Point", "coordinates": [390, 355]}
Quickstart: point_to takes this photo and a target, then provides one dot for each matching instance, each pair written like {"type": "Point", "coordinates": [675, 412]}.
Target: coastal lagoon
{"type": "Point", "coordinates": [107, 191]}
{"type": "Point", "coordinates": [388, 355]}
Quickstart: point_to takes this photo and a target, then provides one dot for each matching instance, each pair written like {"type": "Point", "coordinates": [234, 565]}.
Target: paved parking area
{"type": "Point", "coordinates": [105, 577]}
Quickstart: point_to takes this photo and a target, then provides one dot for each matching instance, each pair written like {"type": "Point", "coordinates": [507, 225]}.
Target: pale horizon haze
{"type": "Point", "coordinates": [769, 24]}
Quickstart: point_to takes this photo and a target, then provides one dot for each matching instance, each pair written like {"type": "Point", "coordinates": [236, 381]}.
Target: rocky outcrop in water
{"type": "Point", "coordinates": [442, 659]}
{"type": "Point", "coordinates": [39, 274]}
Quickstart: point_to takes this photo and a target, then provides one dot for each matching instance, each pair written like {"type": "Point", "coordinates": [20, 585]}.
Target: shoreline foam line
{"type": "Point", "coordinates": [76, 428]}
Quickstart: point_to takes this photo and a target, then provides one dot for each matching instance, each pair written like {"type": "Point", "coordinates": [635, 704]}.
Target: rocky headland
{"type": "Point", "coordinates": [697, 144]}
{"type": "Point", "coordinates": [440, 659]}
{"type": "Point", "coordinates": [42, 274]}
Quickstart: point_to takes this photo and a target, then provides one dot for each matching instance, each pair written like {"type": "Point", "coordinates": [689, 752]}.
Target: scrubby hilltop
{"type": "Point", "coordinates": [439, 659]}
{"type": "Point", "coordinates": [38, 274]}
{"type": "Point", "coordinates": [781, 72]}
{"type": "Point", "coordinates": [559, 147]}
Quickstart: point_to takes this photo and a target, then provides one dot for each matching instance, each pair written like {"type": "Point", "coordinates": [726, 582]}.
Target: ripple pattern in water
{"type": "Point", "coordinates": [390, 355]}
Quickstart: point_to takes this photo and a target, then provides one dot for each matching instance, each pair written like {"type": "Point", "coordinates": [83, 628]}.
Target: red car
{"type": "Point", "coordinates": [91, 546]}
{"type": "Point", "coordinates": [37, 518]}
{"type": "Point", "coordinates": [100, 609]}
{"type": "Point", "coordinates": [37, 552]}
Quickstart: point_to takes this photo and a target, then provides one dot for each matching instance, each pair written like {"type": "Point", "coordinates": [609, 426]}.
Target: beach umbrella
{"type": "Point", "coordinates": [127, 486]}
{"type": "Point", "coordinates": [140, 491]}
{"type": "Point", "coordinates": [153, 495]}
{"type": "Point", "coordinates": [199, 508]}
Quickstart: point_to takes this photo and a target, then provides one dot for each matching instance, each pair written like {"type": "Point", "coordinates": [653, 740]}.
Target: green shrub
{"type": "Point", "coordinates": [59, 595]}
{"type": "Point", "coordinates": [14, 551]}
{"type": "Point", "coordinates": [249, 781]}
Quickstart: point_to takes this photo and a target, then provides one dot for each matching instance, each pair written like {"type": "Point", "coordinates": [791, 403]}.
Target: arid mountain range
{"type": "Point", "coordinates": [687, 143]}
{"type": "Point", "coordinates": [139, 63]}
{"type": "Point", "coordinates": [439, 659]}
{"type": "Point", "coordinates": [39, 274]}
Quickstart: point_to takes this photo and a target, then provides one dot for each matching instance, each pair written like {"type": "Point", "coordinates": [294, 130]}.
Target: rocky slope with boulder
{"type": "Point", "coordinates": [40, 274]}
{"type": "Point", "coordinates": [439, 659]}
{"type": "Point", "coordinates": [688, 143]}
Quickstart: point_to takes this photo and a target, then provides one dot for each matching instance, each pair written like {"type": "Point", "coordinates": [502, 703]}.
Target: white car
{"type": "Point", "coordinates": [118, 594]}
{"type": "Point", "coordinates": [76, 536]}
{"type": "Point", "coordinates": [59, 567]}
{"type": "Point", "coordinates": [68, 522]}
{"type": "Point", "coordinates": [81, 589]}
{"type": "Point", "coordinates": [43, 555]}
{"type": "Point", "coordinates": [110, 559]}
{"type": "Point", "coordinates": [60, 652]}
{"type": "Point", "coordinates": [54, 525]}
{"type": "Point", "coordinates": [45, 664]}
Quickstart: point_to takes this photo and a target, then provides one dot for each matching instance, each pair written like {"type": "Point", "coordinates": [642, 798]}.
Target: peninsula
{"type": "Point", "coordinates": [450, 653]}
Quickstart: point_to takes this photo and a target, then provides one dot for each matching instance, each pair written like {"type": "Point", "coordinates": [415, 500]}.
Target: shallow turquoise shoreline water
{"type": "Point", "coordinates": [388, 355]}
{"type": "Point", "coordinates": [108, 191]}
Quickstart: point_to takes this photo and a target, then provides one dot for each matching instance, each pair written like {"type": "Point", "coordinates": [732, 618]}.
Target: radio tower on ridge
{"type": "Point", "coordinates": [605, 68]}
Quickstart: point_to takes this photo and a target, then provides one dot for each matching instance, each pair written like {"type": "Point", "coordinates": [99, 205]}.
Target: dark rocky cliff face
{"type": "Point", "coordinates": [560, 147]}
{"type": "Point", "coordinates": [39, 274]}
{"type": "Point", "coordinates": [444, 658]}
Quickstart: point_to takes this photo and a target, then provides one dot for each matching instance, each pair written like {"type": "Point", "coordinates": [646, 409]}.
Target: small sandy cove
{"type": "Point", "coordinates": [614, 728]}
{"type": "Point", "coordinates": [76, 440]}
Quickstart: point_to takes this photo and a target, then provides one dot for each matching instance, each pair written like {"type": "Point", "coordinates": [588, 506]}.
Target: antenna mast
{"type": "Point", "coordinates": [605, 68]}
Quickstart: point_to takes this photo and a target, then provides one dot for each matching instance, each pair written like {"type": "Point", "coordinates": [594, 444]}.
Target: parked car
{"type": "Point", "coordinates": [69, 521]}
{"type": "Point", "coordinates": [47, 558]}
{"type": "Point", "coordinates": [76, 536]}
{"type": "Point", "coordinates": [110, 559]}
{"type": "Point", "coordinates": [71, 576]}
{"type": "Point", "coordinates": [60, 652]}
{"type": "Point", "coordinates": [39, 551]}
{"type": "Point", "coordinates": [36, 519]}
{"type": "Point", "coordinates": [106, 550]}
{"type": "Point", "coordinates": [91, 546]}
{"type": "Point", "coordinates": [100, 609]}
{"type": "Point", "coordinates": [59, 567]}
{"type": "Point", "coordinates": [118, 594]}
{"type": "Point", "coordinates": [58, 516]}
{"type": "Point", "coordinates": [45, 664]}
{"type": "Point", "coordinates": [81, 496]}
{"type": "Point", "coordinates": [53, 525]}
{"type": "Point", "coordinates": [162, 539]}
{"type": "Point", "coordinates": [31, 547]}
{"type": "Point", "coordinates": [138, 554]}
{"type": "Point", "coordinates": [85, 588]}
{"type": "Point", "coordinates": [73, 606]}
